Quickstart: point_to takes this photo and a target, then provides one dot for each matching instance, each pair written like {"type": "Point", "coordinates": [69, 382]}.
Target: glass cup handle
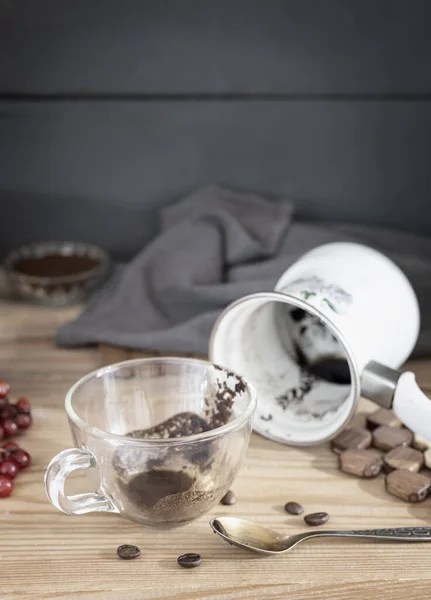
{"type": "Point", "coordinates": [56, 474]}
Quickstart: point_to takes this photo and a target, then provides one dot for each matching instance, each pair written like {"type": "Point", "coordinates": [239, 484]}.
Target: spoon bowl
{"type": "Point", "coordinates": [248, 535]}
{"type": "Point", "coordinates": [256, 538]}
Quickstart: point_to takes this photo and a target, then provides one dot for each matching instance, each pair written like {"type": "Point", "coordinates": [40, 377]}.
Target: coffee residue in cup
{"type": "Point", "coordinates": [54, 265]}
{"type": "Point", "coordinates": [164, 493]}
{"type": "Point", "coordinates": [149, 488]}
{"type": "Point", "coordinates": [217, 412]}
{"type": "Point", "coordinates": [177, 485]}
{"type": "Point", "coordinates": [180, 425]}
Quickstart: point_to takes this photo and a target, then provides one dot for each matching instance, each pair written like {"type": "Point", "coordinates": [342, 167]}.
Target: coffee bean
{"type": "Point", "coordinates": [383, 416]}
{"type": "Point", "coordinates": [315, 519]}
{"type": "Point", "coordinates": [403, 458]}
{"type": "Point", "coordinates": [190, 560]}
{"type": "Point", "coordinates": [421, 443]}
{"type": "Point", "coordinates": [293, 508]}
{"type": "Point", "coordinates": [411, 487]}
{"type": "Point", "coordinates": [127, 551]}
{"type": "Point", "coordinates": [228, 499]}
{"type": "Point", "coordinates": [362, 463]}
{"type": "Point", "coordinates": [353, 438]}
{"type": "Point", "coordinates": [385, 438]}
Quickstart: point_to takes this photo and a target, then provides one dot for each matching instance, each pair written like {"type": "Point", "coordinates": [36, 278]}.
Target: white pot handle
{"type": "Point", "coordinates": [412, 406]}
{"type": "Point", "coordinates": [55, 478]}
{"type": "Point", "coordinates": [399, 391]}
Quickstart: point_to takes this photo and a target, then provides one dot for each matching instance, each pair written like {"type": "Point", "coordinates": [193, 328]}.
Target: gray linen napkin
{"type": "Point", "coordinates": [214, 247]}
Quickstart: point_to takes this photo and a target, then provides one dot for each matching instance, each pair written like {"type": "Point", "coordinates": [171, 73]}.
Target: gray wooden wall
{"type": "Point", "coordinates": [108, 109]}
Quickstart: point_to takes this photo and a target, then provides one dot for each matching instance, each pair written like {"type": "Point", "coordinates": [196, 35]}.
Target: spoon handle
{"type": "Point", "coordinates": [402, 534]}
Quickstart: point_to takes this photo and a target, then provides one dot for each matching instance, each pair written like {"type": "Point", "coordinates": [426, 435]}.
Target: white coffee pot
{"type": "Point", "coordinates": [339, 324]}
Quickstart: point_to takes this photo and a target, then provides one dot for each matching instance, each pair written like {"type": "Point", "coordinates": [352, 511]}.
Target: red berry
{"type": "Point", "coordinates": [8, 412]}
{"type": "Point", "coordinates": [23, 420]}
{"type": "Point", "coordinates": [10, 428]}
{"type": "Point", "coordinates": [6, 486]}
{"type": "Point", "coordinates": [23, 405]}
{"type": "Point", "coordinates": [10, 446]}
{"type": "Point", "coordinates": [4, 402]}
{"type": "Point", "coordinates": [9, 467]}
{"type": "Point", "coordinates": [4, 388]}
{"type": "Point", "coordinates": [1, 432]}
{"type": "Point", "coordinates": [22, 458]}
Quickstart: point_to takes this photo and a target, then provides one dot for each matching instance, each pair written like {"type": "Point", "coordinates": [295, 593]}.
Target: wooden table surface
{"type": "Point", "coordinates": [45, 554]}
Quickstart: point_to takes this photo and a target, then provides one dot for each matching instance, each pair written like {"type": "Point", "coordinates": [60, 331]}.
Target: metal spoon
{"type": "Point", "coordinates": [256, 538]}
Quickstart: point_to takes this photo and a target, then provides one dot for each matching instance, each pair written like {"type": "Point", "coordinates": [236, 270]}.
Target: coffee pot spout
{"type": "Point", "coordinates": [400, 392]}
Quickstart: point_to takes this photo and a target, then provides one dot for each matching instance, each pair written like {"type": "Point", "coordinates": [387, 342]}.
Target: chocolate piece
{"type": "Point", "coordinates": [421, 443]}
{"type": "Point", "coordinates": [190, 560]}
{"type": "Point", "coordinates": [411, 487]}
{"type": "Point", "coordinates": [128, 551]}
{"type": "Point", "coordinates": [403, 457]}
{"type": "Point", "coordinates": [315, 519]}
{"type": "Point", "coordinates": [293, 508]}
{"type": "Point", "coordinates": [362, 463]}
{"type": "Point", "coordinates": [228, 499]}
{"type": "Point", "coordinates": [383, 416]}
{"type": "Point", "coordinates": [353, 438]}
{"type": "Point", "coordinates": [385, 438]}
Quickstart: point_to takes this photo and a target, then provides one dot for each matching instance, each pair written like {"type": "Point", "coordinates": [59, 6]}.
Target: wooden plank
{"type": "Point", "coordinates": [74, 558]}
{"type": "Point", "coordinates": [207, 47]}
{"type": "Point", "coordinates": [101, 171]}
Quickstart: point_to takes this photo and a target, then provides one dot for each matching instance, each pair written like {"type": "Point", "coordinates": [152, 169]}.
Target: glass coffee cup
{"type": "Point", "coordinates": [160, 438]}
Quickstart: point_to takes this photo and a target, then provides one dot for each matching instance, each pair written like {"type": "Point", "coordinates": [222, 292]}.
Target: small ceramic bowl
{"type": "Point", "coordinates": [56, 273]}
